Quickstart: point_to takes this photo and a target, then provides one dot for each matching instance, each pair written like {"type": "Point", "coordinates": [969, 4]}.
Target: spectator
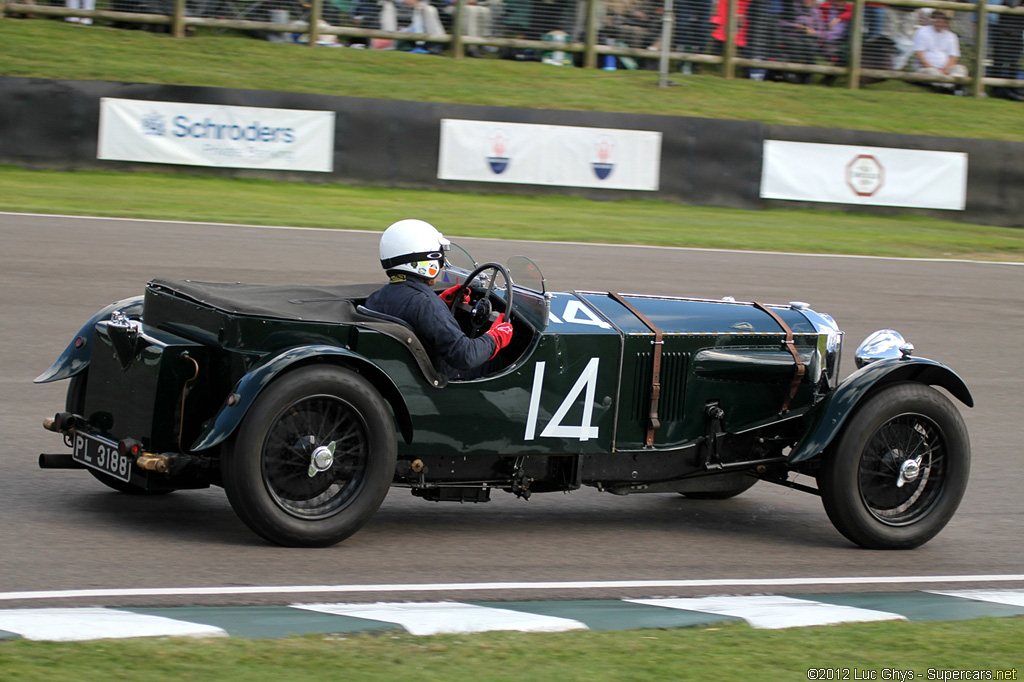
{"type": "Point", "coordinates": [631, 22]}
{"type": "Point", "coordinates": [874, 20]}
{"type": "Point", "coordinates": [938, 50]}
{"type": "Point", "coordinates": [901, 24]}
{"type": "Point", "coordinates": [801, 34]}
{"type": "Point", "coordinates": [422, 16]}
{"type": "Point", "coordinates": [692, 25]}
{"type": "Point", "coordinates": [764, 18]}
{"type": "Point", "coordinates": [478, 20]}
{"type": "Point", "coordinates": [1006, 38]}
{"type": "Point", "coordinates": [425, 18]}
{"type": "Point", "coordinates": [720, 20]}
{"type": "Point", "coordinates": [80, 4]}
{"type": "Point", "coordinates": [835, 20]}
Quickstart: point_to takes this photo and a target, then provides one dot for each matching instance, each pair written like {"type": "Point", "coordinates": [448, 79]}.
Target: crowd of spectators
{"type": "Point", "coordinates": [786, 31]}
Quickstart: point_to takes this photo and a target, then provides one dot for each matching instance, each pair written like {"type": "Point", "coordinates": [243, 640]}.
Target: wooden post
{"type": "Point", "coordinates": [458, 49]}
{"type": "Point", "coordinates": [856, 37]}
{"type": "Point", "coordinates": [981, 43]}
{"type": "Point", "coordinates": [729, 51]}
{"type": "Point", "coordinates": [315, 10]}
{"type": "Point", "coordinates": [590, 35]}
{"type": "Point", "coordinates": [178, 19]}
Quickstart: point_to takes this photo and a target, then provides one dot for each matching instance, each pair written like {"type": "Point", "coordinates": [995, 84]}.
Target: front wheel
{"type": "Point", "coordinates": [899, 469]}
{"type": "Point", "coordinates": [313, 458]}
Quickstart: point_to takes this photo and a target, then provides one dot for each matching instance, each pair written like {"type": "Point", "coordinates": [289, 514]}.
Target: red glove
{"type": "Point", "coordinates": [501, 332]}
{"type": "Point", "coordinates": [448, 294]}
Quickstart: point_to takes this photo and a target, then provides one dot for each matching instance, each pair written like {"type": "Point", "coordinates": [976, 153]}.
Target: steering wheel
{"type": "Point", "coordinates": [480, 310]}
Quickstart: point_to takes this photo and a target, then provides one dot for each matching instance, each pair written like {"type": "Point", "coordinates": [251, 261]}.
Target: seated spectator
{"type": "Point", "coordinates": [631, 21]}
{"type": "Point", "coordinates": [901, 24]}
{"type": "Point", "coordinates": [80, 4]}
{"type": "Point", "coordinates": [938, 49]}
{"type": "Point", "coordinates": [422, 16]}
{"type": "Point", "coordinates": [425, 18]}
{"type": "Point", "coordinates": [478, 20]}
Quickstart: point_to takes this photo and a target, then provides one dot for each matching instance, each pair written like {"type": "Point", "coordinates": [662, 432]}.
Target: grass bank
{"type": "Point", "coordinates": [56, 49]}
{"type": "Point", "coordinates": [729, 652]}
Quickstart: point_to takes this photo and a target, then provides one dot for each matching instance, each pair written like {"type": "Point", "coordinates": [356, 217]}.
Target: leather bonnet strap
{"type": "Point", "coordinates": [653, 422]}
{"type": "Point", "coordinates": [800, 369]}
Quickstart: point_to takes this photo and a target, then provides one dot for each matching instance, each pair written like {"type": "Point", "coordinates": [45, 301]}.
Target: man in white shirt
{"type": "Point", "coordinates": [938, 50]}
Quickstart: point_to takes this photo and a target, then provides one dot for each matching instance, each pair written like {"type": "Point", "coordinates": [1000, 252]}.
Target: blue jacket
{"type": "Point", "coordinates": [451, 351]}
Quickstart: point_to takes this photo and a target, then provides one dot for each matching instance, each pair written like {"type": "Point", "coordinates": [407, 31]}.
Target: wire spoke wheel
{"type": "Point", "coordinates": [902, 469]}
{"type": "Point", "coordinates": [897, 472]}
{"type": "Point", "coordinates": [313, 458]}
{"type": "Point", "coordinates": [291, 441]}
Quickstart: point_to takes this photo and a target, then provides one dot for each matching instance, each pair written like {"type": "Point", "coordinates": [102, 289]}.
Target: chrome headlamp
{"type": "Point", "coordinates": [885, 344]}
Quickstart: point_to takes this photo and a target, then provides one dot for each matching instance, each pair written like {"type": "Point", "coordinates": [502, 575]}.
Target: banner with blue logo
{"type": "Point", "coordinates": [569, 156]}
{"type": "Point", "coordinates": [216, 135]}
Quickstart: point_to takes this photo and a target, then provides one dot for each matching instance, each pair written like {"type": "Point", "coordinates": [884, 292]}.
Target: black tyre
{"type": "Point", "coordinates": [75, 403]}
{"type": "Point", "coordinates": [268, 468]}
{"type": "Point", "coordinates": [899, 469]}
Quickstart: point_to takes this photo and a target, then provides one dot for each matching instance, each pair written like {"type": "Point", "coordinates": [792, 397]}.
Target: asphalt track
{"type": "Point", "coordinates": [61, 530]}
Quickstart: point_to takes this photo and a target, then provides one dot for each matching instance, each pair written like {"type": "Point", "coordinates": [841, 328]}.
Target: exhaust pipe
{"type": "Point", "coordinates": [58, 462]}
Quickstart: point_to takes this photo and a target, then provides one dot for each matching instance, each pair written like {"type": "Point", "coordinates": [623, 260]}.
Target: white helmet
{"type": "Point", "coordinates": [413, 246]}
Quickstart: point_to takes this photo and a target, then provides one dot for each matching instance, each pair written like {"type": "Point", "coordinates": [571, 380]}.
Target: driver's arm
{"type": "Point", "coordinates": [442, 332]}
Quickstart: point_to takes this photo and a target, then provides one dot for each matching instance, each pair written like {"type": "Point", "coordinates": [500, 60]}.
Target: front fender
{"type": "Point", "coordinates": [75, 357]}
{"type": "Point", "coordinates": [826, 419]}
{"type": "Point", "coordinates": [250, 386]}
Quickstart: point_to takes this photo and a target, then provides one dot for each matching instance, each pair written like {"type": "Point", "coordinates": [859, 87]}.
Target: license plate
{"type": "Point", "coordinates": [102, 455]}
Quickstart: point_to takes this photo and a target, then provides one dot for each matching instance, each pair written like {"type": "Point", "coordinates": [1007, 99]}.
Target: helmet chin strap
{"type": "Point", "coordinates": [404, 277]}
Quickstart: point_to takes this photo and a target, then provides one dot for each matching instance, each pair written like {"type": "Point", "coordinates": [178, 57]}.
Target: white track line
{"type": "Point", "coordinates": [1008, 597]}
{"type": "Point", "coordinates": [902, 581]}
{"type": "Point", "coordinates": [771, 612]}
{"type": "Point", "coordinates": [435, 618]}
{"type": "Point", "coordinates": [76, 625]}
{"type": "Point", "coordinates": [529, 241]}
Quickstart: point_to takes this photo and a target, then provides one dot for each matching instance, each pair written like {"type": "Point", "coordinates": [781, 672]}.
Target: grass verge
{"type": "Point", "coordinates": [235, 61]}
{"type": "Point", "coordinates": [261, 202]}
{"type": "Point", "coordinates": [729, 652]}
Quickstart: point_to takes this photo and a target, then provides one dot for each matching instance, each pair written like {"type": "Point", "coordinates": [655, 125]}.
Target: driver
{"type": "Point", "coordinates": [412, 254]}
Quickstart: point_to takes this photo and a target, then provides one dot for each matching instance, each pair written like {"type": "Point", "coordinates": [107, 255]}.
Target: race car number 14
{"type": "Point", "coordinates": [555, 428]}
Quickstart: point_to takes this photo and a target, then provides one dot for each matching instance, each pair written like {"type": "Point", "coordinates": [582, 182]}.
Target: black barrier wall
{"type": "Point", "coordinates": [54, 124]}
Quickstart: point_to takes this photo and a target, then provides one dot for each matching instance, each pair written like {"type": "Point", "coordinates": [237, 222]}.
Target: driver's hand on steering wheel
{"type": "Point", "coordinates": [448, 295]}
{"type": "Point", "coordinates": [501, 332]}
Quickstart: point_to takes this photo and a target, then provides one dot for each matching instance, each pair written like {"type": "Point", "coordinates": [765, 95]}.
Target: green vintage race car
{"type": "Point", "coordinates": [307, 407]}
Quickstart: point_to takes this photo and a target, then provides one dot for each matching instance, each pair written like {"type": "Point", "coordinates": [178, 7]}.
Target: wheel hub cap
{"type": "Point", "coordinates": [322, 459]}
{"type": "Point", "coordinates": [909, 471]}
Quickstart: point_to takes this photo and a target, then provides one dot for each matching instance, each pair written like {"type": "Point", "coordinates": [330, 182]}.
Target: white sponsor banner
{"type": "Point", "coordinates": [488, 151]}
{"type": "Point", "coordinates": [216, 135]}
{"type": "Point", "coordinates": [874, 176]}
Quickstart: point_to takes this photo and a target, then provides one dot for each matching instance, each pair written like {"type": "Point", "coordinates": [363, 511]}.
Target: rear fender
{"type": "Point", "coordinates": [249, 387]}
{"type": "Point", "coordinates": [826, 419]}
{"type": "Point", "coordinates": [75, 357]}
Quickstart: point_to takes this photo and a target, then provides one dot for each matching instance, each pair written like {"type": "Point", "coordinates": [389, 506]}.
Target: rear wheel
{"type": "Point", "coordinates": [899, 469]}
{"type": "Point", "coordinates": [313, 459]}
